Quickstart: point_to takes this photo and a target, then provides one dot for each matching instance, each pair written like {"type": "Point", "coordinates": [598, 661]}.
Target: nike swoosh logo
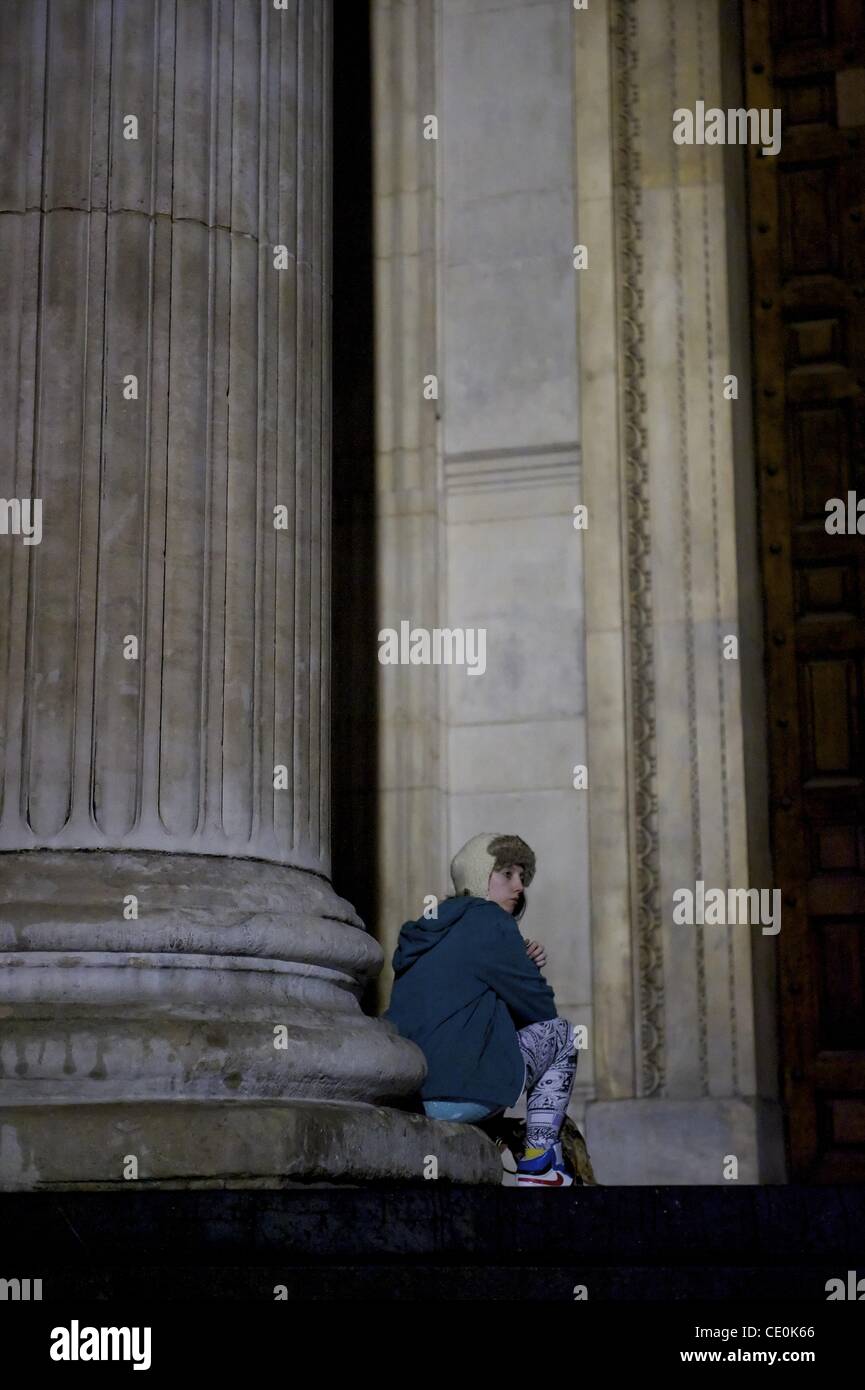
{"type": "Point", "coordinates": [543, 1182]}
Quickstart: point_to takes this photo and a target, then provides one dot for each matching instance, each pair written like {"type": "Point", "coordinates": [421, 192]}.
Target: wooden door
{"type": "Point", "coordinates": [807, 238]}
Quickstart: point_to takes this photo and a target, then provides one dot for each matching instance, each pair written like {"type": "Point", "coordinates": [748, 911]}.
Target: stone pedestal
{"type": "Point", "coordinates": [180, 982]}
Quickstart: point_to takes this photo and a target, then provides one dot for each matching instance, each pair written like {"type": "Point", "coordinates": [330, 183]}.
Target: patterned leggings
{"type": "Point", "coordinates": [551, 1065]}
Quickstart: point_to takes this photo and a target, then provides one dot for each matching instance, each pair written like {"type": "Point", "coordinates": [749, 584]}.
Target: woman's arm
{"type": "Point", "coordinates": [504, 965]}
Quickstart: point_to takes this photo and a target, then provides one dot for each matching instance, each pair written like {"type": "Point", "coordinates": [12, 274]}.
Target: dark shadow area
{"type": "Point", "coordinates": [766, 1245]}
{"type": "Point", "coordinates": [354, 651]}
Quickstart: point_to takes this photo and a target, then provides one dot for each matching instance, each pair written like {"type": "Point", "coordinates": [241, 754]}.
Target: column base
{"type": "Point", "coordinates": [254, 1144]}
{"type": "Point", "coordinates": [673, 1142]}
{"type": "Point", "coordinates": [236, 980]}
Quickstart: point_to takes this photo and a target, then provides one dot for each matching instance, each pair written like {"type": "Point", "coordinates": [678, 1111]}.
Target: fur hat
{"type": "Point", "coordinates": [472, 865]}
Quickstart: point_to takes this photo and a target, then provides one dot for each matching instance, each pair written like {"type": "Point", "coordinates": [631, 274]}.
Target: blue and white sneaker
{"type": "Point", "coordinates": [544, 1168]}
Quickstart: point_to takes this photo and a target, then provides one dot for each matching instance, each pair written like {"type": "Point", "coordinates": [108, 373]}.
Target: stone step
{"type": "Point", "coordinates": [438, 1241]}
{"type": "Point", "coordinates": [569, 1282]}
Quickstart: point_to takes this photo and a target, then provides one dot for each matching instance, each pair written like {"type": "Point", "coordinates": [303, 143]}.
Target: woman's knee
{"type": "Point", "coordinates": [564, 1030]}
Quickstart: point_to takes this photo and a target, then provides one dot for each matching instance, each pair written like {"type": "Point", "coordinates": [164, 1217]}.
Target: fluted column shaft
{"type": "Point", "coordinates": [157, 258]}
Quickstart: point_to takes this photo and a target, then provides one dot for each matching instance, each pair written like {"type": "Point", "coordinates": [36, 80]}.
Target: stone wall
{"type": "Point", "coordinates": [601, 385]}
{"type": "Point", "coordinates": [481, 534]}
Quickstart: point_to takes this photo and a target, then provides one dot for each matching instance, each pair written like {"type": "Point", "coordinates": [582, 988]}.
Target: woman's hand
{"type": "Point", "coordinates": [536, 953]}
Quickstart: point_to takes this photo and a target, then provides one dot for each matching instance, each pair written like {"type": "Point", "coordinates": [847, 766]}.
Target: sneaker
{"type": "Point", "coordinates": [548, 1168]}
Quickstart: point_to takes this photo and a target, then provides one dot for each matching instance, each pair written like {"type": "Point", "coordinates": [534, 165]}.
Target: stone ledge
{"type": "Point", "coordinates": [239, 1144]}
{"type": "Point", "coordinates": [658, 1141]}
{"type": "Point", "coordinates": [601, 1226]}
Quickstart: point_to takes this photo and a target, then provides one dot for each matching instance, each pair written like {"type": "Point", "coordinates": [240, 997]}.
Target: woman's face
{"type": "Point", "coordinates": [506, 886]}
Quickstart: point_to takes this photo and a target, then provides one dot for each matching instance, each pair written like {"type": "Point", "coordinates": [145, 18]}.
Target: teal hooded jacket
{"type": "Point", "coordinates": [463, 986]}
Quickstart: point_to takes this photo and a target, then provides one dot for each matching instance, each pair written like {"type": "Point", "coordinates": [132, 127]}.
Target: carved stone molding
{"type": "Point", "coordinates": [642, 712]}
{"type": "Point", "coordinates": [517, 467]}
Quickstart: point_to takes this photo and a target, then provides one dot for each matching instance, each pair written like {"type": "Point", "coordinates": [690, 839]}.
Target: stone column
{"type": "Point", "coordinates": [180, 982]}
{"type": "Point", "coordinates": [410, 540]}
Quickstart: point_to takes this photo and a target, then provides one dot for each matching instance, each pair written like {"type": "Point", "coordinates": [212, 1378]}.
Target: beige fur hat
{"type": "Point", "coordinates": [472, 865]}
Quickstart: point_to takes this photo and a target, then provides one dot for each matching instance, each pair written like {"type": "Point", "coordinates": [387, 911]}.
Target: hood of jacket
{"type": "Point", "coordinates": [416, 938]}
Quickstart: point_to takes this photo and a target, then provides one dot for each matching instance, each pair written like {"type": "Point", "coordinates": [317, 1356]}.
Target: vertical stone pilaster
{"type": "Point", "coordinates": [409, 526]}
{"type": "Point", "coordinates": [475, 281]}
{"type": "Point", "coordinates": [684, 1036]}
